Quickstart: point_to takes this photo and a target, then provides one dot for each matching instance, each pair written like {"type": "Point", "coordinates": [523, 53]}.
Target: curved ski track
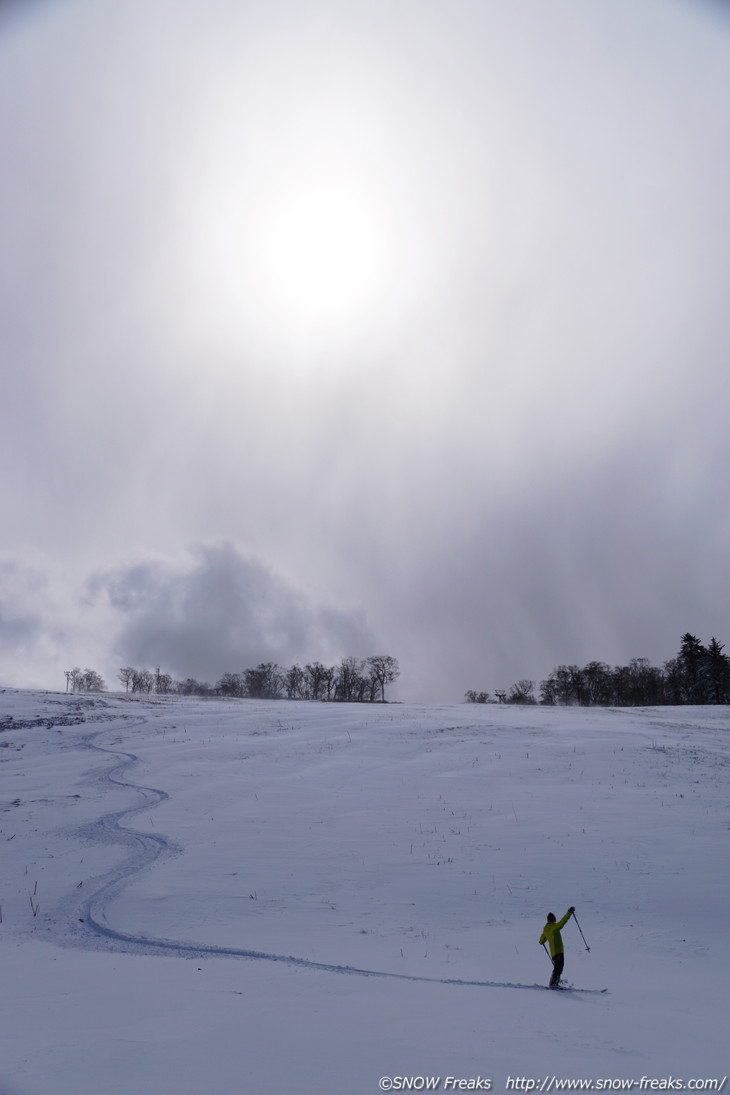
{"type": "Point", "coordinates": [148, 847]}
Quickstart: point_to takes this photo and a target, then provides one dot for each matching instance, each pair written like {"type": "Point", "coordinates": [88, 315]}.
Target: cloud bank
{"type": "Point", "coordinates": [209, 612]}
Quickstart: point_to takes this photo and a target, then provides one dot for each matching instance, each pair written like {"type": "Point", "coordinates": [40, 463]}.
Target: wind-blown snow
{"type": "Point", "coordinates": [202, 897]}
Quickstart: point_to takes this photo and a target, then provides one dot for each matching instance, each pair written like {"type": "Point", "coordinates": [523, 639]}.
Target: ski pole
{"type": "Point", "coordinates": [547, 952]}
{"type": "Point", "coordinates": [581, 931]}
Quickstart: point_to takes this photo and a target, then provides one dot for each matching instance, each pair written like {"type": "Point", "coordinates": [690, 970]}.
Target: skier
{"type": "Point", "coordinates": [551, 934]}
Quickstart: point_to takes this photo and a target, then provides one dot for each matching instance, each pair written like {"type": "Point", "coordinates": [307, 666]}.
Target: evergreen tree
{"type": "Point", "coordinates": [692, 657]}
{"type": "Point", "coordinates": [716, 673]}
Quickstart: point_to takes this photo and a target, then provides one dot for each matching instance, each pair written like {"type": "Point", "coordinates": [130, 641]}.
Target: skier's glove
{"type": "Point", "coordinates": [571, 909]}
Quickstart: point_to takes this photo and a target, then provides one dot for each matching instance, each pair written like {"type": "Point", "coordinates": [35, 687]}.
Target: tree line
{"type": "Point", "coordinates": [354, 680]}
{"type": "Point", "coordinates": [698, 674]}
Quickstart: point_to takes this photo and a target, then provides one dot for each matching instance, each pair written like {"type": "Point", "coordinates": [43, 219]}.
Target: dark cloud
{"type": "Point", "coordinates": [200, 614]}
{"type": "Point", "coordinates": [220, 612]}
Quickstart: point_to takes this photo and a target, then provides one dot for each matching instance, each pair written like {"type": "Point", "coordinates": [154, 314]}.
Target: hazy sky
{"type": "Point", "coordinates": [363, 326]}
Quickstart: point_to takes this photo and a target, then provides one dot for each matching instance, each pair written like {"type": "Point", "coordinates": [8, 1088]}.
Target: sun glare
{"type": "Point", "coordinates": [322, 254]}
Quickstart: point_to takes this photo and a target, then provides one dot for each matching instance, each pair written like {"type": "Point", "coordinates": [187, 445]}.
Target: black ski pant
{"type": "Point", "coordinates": [558, 961]}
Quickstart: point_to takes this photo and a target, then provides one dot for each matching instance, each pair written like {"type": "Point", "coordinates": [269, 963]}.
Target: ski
{"type": "Point", "coordinates": [573, 988]}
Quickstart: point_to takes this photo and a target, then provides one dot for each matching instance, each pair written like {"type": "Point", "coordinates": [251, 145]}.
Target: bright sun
{"type": "Point", "coordinates": [322, 254]}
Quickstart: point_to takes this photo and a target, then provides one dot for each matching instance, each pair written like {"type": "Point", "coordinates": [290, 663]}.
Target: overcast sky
{"type": "Point", "coordinates": [363, 326]}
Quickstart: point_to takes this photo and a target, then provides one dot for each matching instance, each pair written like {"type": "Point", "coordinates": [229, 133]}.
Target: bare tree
{"type": "Point", "coordinates": [384, 669]}
{"type": "Point", "coordinates": [294, 682]}
{"type": "Point", "coordinates": [163, 683]}
{"type": "Point", "coordinates": [522, 692]}
{"type": "Point", "coordinates": [126, 676]}
{"type": "Point", "coordinates": [84, 680]}
{"type": "Point", "coordinates": [349, 678]}
{"type": "Point", "coordinates": [315, 680]}
{"type": "Point", "coordinates": [548, 692]}
{"type": "Point", "coordinates": [231, 684]}
{"type": "Point", "coordinates": [329, 679]}
{"type": "Point", "coordinates": [476, 697]}
{"type": "Point", "coordinates": [92, 681]}
{"type": "Point", "coordinates": [142, 681]}
{"type": "Point", "coordinates": [597, 679]}
{"type": "Point", "coordinates": [191, 687]}
{"type": "Point", "coordinates": [73, 678]}
{"type": "Point", "coordinates": [265, 682]}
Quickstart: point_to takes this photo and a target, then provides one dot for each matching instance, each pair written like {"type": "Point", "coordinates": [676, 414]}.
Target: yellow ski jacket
{"type": "Point", "coordinates": [551, 934]}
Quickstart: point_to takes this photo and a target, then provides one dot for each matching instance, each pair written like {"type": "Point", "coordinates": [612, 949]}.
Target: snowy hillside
{"type": "Point", "coordinates": [202, 897]}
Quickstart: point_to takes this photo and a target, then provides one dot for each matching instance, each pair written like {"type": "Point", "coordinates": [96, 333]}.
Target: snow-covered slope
{"type": "Point", "coordinates": [291, 897]}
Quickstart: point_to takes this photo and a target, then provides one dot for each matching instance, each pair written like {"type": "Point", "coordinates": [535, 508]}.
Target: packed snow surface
{"type": "Point", "coordinates": [202, 897]}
